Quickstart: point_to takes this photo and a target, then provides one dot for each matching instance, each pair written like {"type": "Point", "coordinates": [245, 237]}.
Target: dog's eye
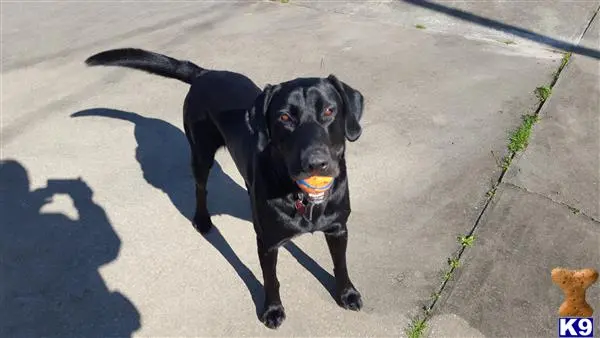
{"type": "Point", "coordinates": [284, 117]}
{"type": "Point", "coordinates": [328, 111]}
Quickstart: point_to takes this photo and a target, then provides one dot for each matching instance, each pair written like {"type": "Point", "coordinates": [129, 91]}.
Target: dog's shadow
{"type": "Point", "coordinates": [163, 153]}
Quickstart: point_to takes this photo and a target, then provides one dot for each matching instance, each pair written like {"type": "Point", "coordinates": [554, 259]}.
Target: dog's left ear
{"type": "Point", "coordinates": [353, 107]}
{"type": "Point", "coordinates": [257, 118]}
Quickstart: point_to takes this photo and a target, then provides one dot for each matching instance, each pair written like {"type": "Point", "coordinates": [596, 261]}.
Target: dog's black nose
{"type": "Point", "coordinates": [316, 163]}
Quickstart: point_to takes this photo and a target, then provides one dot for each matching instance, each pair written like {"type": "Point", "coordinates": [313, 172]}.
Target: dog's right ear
{"type": "Point", "coordinates": [257, 118]}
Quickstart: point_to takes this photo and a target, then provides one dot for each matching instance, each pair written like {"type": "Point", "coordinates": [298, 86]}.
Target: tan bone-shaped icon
{"type": "Point", "coordinates": [574, 284]}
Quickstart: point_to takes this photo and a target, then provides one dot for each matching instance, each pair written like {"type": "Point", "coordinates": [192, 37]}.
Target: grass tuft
{"type": "Point", "coordinates": [506, 161]}
{"type": "Point", "coordinates": [491, 192]}
{"type": "Point", "coordinates": [416, 328]}
{"type": "Point", "coordinates": [509, 42]}
{"type": "Point", "coordinates": [454, 263]}
{"type": "Point", "coordinates": [419, 26]}
{"type": "Point", "coordinates": [466, 241]}
{"type": "Point", "coordinates": [447, 276]}
{"type": "Point", "coordinates": [543, 92]}
{"type": "Point", "coordinates": [565, 60]}
{"type": "Point", "coordinates": [520, 137]}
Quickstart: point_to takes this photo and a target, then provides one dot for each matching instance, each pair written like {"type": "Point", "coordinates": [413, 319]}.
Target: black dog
{"type": "Point", "coordinates": [277, 136]}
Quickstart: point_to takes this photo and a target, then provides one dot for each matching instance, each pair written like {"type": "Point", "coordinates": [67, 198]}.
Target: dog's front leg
{"type": "Point", "coordinates": [273, 312]}
{"type": "Point", "coordinates": [348, 296]}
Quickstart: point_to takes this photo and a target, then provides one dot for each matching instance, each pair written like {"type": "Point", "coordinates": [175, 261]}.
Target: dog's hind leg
{"type": "Point", "coordinates": [205, 140]}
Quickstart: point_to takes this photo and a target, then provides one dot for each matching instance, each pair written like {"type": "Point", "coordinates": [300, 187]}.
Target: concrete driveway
{"type": "Point", "coordinates": [442, 95]}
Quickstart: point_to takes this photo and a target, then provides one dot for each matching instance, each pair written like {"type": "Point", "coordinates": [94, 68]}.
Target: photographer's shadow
{"type": "Point", "coordinates": [49, 280]}
{"type": "Point", "coordinates": [163, 153]}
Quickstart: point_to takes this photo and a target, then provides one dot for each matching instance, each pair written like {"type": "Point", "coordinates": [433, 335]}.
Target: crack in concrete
{"type": "Point", "coordinates": [589, 24]}
{"type": "Point", "coordinates": [573, 209]}
{"type": "Point", "coordinates": [428, 309]}
{"type": "Point", "coordinates": [459, 253]}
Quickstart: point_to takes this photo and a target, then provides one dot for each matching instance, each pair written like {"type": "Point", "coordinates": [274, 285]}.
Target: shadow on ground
{"type": "Point", "coordinates": [50, 285]}
{"type": "Point", "coordinates": [164, 155]}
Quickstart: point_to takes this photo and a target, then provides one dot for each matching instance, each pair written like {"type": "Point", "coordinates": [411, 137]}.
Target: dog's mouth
{"type": "Point", "coordinates": [299, 175]}
{"type": "Point", "coordinates": [317, 198]}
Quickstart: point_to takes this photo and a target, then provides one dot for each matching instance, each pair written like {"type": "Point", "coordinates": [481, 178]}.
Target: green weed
{"type": "Point", "coordinates": [543, 92]}
{"type": "Point", "coordinates": [466, 240]}
{"type": "Point", "coordinates": [519, 138]}
{"type": "Point", "coordinates": [416, 328]}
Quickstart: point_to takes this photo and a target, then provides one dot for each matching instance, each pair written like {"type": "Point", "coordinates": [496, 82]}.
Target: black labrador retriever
{"type": "Point", "coordinates": [276, 137]}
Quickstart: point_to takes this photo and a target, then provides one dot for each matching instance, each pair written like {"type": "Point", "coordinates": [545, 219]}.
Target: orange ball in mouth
{"type": "Point", "coordinates": [315, 185]}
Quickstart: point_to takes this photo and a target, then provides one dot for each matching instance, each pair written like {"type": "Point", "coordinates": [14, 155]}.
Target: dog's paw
{"type": "Point", "coordinates": [273, 316]}
{"type": "Point", "coordinates": [350, 299]}
{"type": "Point", "coordinates": [202, 223]}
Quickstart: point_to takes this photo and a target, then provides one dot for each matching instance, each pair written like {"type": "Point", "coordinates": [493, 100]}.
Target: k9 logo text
{"type": "Point", "coordinates": [575, 327]}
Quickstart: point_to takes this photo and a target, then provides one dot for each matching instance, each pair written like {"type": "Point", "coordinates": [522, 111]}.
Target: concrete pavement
{"type": "Point", "coordinates": [440, 103]}
{"type": "Point", "coordinates": [544, 215]}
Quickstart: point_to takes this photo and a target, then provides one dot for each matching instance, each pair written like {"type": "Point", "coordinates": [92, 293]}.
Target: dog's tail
{"type": "Point", "coordinates": [150, 62]}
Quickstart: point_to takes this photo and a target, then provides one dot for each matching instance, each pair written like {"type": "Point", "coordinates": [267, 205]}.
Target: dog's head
{"type": "Point", "coordinates": [307, 121]}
